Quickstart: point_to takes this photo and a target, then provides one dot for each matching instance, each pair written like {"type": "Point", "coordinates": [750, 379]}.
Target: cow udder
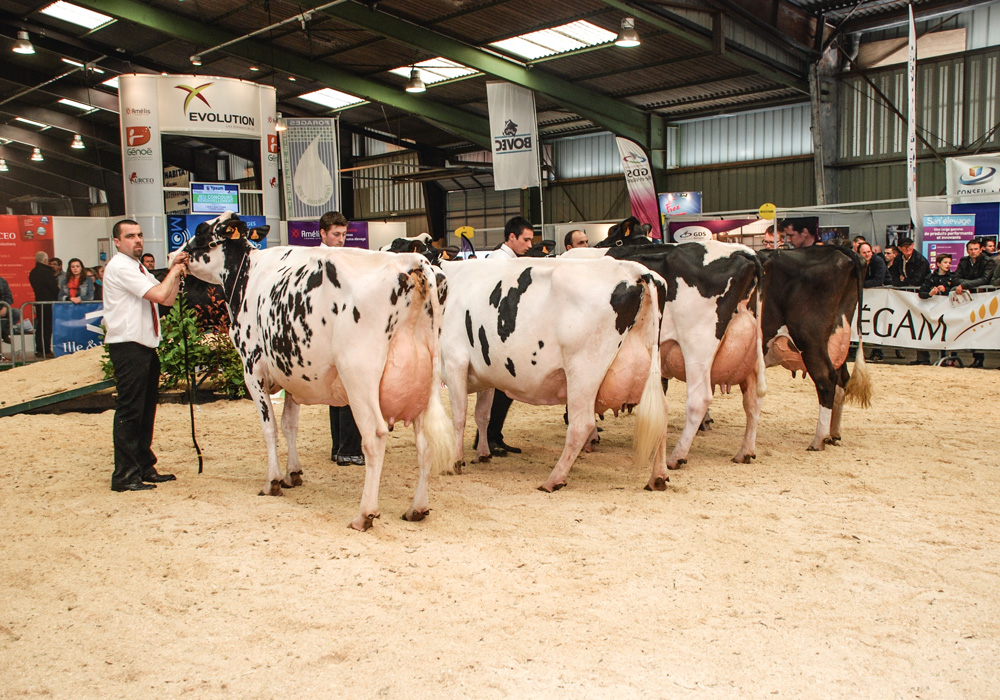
{"type": "Point", "coordinates": [626, 377]}
{"type": "Point", "coordinates": [406, 380]}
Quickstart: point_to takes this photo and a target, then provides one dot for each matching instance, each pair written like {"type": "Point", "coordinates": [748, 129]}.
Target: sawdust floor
{"type": "Point", "coordinates": [867, 570]}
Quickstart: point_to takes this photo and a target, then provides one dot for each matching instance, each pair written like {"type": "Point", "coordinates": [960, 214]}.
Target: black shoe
{"type": "Point", "coordinates": [348, 460]}
{"type": "Point", "coordinates": [503, 445]}
{"type": "Point", "coordinates": [137, 486]}
{"type": "Point", "coordinates": [977, 363]}
{"type": "Point", "coordinates": [154, 477]}
{"type": "Point", "coordinates": [496, 450]}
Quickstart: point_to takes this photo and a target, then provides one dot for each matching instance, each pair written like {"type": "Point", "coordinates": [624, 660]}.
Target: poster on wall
{"type": "Point", "coordinates": [20, 238]}
{"type": "Point", "coordinates": [306, 233]}
{"type": "Point", "coordinates": [675, 204]}
{"type": "Point", "coordinates": [729, 230]}
{"type": "Point", "coordinates": [182, 227]}
{"type": "Point", "coordinates": [310, 157]}
{"type": "Point", "coordinates": [947, 234]}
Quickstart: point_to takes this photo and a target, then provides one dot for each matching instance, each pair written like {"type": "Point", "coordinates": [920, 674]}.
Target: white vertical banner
{"type": "Point", "coordinates": [269, 156]}
{"type": "Point", "coordinates": [311, 160]}
{"type": "Point", "coordinates": [911, 124]}
{"type": "Point", "coordinates": [142, 152]}
{"type": "Point", "coordinates": [639, 180]}
{"type": "Point", "coordinates": [515, 136]}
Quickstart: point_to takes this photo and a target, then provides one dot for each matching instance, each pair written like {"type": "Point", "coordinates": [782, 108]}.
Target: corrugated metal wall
{"type": "Point", "coordinates": [787, 184]}
{"type": "Point", "coordinates": [771, 133]}
{"type": "Point", "coordinates": [957, 101]}
{"type": "Point", "coordinates": [888, 181]}
{"type": "Point", "coordinates": [376, 195]}
{"type": "Point", "coordinates": [480, 209]}
{"type": "Point", "coordinates": [595, 200]}
{"type": "Point", "coordinates": [982, 27]}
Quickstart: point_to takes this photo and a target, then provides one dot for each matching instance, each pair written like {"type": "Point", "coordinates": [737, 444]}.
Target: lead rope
{"type": "Point", "coordinates": [190, 382]}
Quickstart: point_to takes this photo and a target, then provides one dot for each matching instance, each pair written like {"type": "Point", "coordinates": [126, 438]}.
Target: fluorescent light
{"type": "Point", "coordinates": [196, 60]}
{"type": "Point", "coordinates": [334, 99]}
{"type": "Point", "coordinates": [111, 82]}
{"type": "Point", "coordinates": [74, 14]}
{"type": "Point", "coordinates": [435, 70]}
{"type": "Point", "coordinates": [555, 40]}
{"type": "Point", "coordinates": [77, 105]}
{"type": "Point", "coordinates": [32, 123]}
{"type": "Point", "coordinates": [72, 62]}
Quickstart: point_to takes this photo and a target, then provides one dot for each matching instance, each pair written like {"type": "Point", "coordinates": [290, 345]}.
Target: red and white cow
{"type": "Point", "coordinates": [549, 331]}
{"type": "Point", "coordinates": [334, 326]}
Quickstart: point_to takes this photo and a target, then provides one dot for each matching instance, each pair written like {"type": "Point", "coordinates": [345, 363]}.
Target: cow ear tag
{"type": "Point", "coordinates": [234, 234]}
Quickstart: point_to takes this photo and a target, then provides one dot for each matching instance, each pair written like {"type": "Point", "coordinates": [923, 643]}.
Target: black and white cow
{"type": "Point", "coordinates": [334, 326]}
{"type": "Point", "coordinates": [810, 295]}
{"type": "Point", "coordinates": [710, 334]}
{"type": "Point", "coordinates": [550, 331]}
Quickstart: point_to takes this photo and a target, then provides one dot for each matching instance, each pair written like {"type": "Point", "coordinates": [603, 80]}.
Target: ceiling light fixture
{"type": "Point", "coordinates": [627, 37]}
{"type": "Point", "coordinates": [3, 166]}
{"type": "Point", "coordinates": [196, 60]}
{"type": "Point", "coordinates": [77, 142]}
{"type": "Point", "coordinates": [415, 84]}
{"type": "Point", "coordinates": [36, 155]}
{"type": "Point", "coordinates": [279, 123]}
{"type": "Point", "coordinates": [23, 43]}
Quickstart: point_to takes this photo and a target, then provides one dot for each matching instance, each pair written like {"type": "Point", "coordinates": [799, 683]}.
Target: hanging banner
{"type": "Point", "coordinates": [911, 124]}
{"type": "Point", "coordinates": [20, 238]}
{"type": "Point", "coordinates": [894, 317]}
{"type": "Point", "coordinates": [310, 157]}
{"type": "Point", "coordinates": [515, 136]}
{"type": "Point", "coordinates": [306, 233]}
{"type": "Point", "coordinates": [973, 175]}
{"type": "Point", "coordinates": [72, 330]}
{"type": "Point", "coordinates": [639, 180]}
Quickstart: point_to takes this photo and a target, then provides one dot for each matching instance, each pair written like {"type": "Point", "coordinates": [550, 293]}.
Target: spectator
{"type": "Point", "coordinates": [769, 242]}
{"type": "Point", "coordinates": [76, 286]}
{"type": "Point", "coordinates": [149, 261]}
{"type": "Point", "coordinates": [877, 274]}
{"type": "Point", "coordinates": [890, 254]}
{"type": "Point", "coordinates": [57, 266]}
{"type": "Point", "coordinates": [797, 232]}
{"type": "Point", "coordinates": [909, 267]}
{"type": "Point", "coordinates": [878, 251]}
{"type": "Point", "coordinates": [990, 246]}
{"type": "Point", "coordinates": [856, 243]}
{"type": "Point", "coordinates": [46, 288]}
{"type": "Point", "coordinates": [93, 274]}
{"type": "Point", "coordinates": [6, 318]}
{"type": "Point", "coordinates": [940, 281]}
{"type": "Point", "coordinates": [974, 270]}
{"type": "Point", "coordinates": [576, 239]}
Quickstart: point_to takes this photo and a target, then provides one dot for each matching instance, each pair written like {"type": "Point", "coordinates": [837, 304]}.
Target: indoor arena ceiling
{"type": "Point", "coordinates": [696, 58]}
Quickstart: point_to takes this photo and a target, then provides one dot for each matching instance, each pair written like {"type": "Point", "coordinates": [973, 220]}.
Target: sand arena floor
{"type": "Point", "coordinates": [869, 570]}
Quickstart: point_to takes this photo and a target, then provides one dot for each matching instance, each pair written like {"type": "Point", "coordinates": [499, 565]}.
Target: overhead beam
{"type": "Point", "coordinates": [921, 13]}
{"type": "Point", "coordinates": [75, 124]}
{"type": "Point", "coordinates": [738, 56]}
{"type": "Point", "coordinates": [461, 123]}
{"type": "Point", "coordinates": [85, 176]}
{"type": "Point", "coordinates": [30, 81]}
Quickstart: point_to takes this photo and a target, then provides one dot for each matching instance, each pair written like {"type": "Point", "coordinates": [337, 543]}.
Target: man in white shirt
{"type": "Point", "coordinates": [133, 334]}
{"type": "Point", "coordinates": [343, 429]}
{"type": "Point", "coordinates": [518, 235]}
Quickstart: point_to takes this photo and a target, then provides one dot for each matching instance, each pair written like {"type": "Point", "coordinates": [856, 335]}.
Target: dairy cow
{"type": "Point", "coordinates": [334, 326]}
{"type": "Point", "coordinates": [810, 295]}
{"type": "Point", "coordinates": [547, 331]}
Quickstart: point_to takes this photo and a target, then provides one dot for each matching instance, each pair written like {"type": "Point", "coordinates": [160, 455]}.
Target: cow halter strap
{"type": "Point", "coordinates": [232, 290]}
{"type": "Point", "coordinates": [152, 307]}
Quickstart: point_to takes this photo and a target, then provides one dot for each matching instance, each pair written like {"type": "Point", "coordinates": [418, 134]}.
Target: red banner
{"type": "Point", "coordinates": [20, 238]}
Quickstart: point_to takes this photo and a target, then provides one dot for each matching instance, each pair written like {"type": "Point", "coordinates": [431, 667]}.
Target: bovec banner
{"type": "Point", "coordinates": [639, 179]}
{"type": "Point", "coordinates": [515, 136]}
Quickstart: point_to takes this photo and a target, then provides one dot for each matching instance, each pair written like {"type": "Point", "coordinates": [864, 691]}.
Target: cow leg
{"type": "Point", "coordinates": [373, 431]}
{"type": "Point", "coordinates": [421, 502]}
{"type": "Point", "coordinates": [580, 406]}
{"type": "Point", "coordinates": [458, 396]}
{"type": "Point", "coordinates": [658, 480]}
{"type": "Point", "coordinates": [699, 398]}
{"type": "Point", "coordinates": [290, 429]}
{"type": "Point", "coordinates": [751, 406]}
{"type": "Point", "coordinates": [484, 404]}
{"type": "Point", "coordinates": [825, 376]}
{"type": "Point", "coordinates": [269, 426]}
{"type": "Point", "coordinates": [835, 415]}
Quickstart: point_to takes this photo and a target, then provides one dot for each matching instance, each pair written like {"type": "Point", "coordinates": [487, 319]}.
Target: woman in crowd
{"type": "Point", "coordinates": [76, 285]}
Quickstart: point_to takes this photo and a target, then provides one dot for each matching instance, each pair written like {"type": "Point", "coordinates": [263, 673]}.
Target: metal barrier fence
{"type": "Point", "coordinates": [18, 345]}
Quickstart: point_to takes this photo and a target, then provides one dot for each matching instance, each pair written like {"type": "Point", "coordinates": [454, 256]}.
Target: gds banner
{"type": "Point", "coordinates": [639, 180]}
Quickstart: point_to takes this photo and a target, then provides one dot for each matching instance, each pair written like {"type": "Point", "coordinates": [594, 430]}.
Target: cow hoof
{"type": "Point", "coordinates": [551, 489]}
{"type": "Point", "coordinates": [745, 459]}
{"type": "Point", "coordinates": [482, 459]}
{"type": "Point", "coordinates": [832, 441]}
{"type": "Point", "coordinates": [658, 484]}
{"type": "Point", "coordinates": [814, 448]}
{"type": "Point", "coordinates": [363, 523]}
{"type": "Point", "coordinates": [674, 467]}
{"type": "Point", "coordinates": [296, 478]}
{"type": "Point", "coordinates": [458, 467]}
{"type": "Point", "coordinates": [415, 516]}
{"type": "Point", "coordinates": [275, 489]}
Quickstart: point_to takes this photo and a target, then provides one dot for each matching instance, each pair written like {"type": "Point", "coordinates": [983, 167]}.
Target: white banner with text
{"type": "Point", "coordinates": [902, 319]}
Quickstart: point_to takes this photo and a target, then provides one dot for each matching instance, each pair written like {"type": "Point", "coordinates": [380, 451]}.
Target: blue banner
{"type": "Point", "coordinates": [72, 331]}
{"type": "Point", "coordinates": [181, 227]}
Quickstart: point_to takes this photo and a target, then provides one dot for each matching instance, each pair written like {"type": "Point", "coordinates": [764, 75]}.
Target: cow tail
{"type": "Point", "coordinates": [651, 413]}
{"type": "Point", "coordinates": [759, 313]}
{"type": "Point", "coordinates": [436, 423]}
{"type": "Point", "coordinates": [859, 386]}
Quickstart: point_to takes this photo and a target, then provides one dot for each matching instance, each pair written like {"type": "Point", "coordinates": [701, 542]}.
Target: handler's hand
{"type": "Point", "coordinates": [180, 259]}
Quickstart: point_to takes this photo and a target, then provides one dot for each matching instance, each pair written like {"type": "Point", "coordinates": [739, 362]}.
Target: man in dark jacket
{"type": "Point", "coordinates": [909, 267]}
{"type": "Point", "coordinates": [877, 274]}
{"type": "Point", "coordinates": [974, 270]}
{"type": "Point", "coordinates": [46, 288]}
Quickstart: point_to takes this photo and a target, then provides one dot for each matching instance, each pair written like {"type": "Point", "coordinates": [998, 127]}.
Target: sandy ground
{"type": "Point", "coordinates": [870, 570]}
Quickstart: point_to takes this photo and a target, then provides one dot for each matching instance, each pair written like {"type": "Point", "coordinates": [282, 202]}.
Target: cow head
{"type": "Point", "coordinates": [220, 245]}
{"type": "Point", "coordinates": [628, 232]}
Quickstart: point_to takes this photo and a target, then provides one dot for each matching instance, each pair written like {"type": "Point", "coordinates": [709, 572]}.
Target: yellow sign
{"type": "Point", "coordinates": [465, 232]}
{"type": "Point", "coordinates": [766, 211]}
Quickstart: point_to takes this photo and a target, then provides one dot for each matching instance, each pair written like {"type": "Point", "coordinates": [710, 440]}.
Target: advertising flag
{"type": "Point", "coordinates": [515, 136]}
{"type": "Point", "coordinates": [639, 179]}
{"type": "Point", "coordinates": [310, 157]}
{"type": "Point", "coordinates": [911, 124]}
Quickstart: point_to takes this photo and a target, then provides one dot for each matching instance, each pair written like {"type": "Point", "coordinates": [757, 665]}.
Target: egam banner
{"type": "Point", "coordinates": [902, 319]}
{"type": "Point", "coordinates": [639, 180]}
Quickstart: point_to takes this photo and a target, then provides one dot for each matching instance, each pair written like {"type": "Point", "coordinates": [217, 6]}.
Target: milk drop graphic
{"type": "Point", "coordinates": [312, 182]}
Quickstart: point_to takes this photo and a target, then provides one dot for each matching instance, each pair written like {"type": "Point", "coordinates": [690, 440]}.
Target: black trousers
{"type": "Point", "coordinates": [43, 330]}
{"type": "Point", "coordinates": [498, 415]}
{"type": "Point", "coordinates": [345, 433]}
{"type": "Point", "coordinates": [137, 379]}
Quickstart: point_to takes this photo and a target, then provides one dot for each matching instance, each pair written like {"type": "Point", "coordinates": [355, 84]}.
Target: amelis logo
{"type": "Point", "coordinates": [193, 92]}
{"type": "Point", "coordinates": [137, 135]}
